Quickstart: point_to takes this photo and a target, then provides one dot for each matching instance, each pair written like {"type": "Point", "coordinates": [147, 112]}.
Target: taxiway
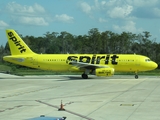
{"type": "Point", "coordinates": [97, 98]}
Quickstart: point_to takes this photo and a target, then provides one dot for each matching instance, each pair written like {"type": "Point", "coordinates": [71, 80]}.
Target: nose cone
{"type": "Point", "coordinates": [154, 65]}
{"type": "Point", "coordinates": [149, 66]}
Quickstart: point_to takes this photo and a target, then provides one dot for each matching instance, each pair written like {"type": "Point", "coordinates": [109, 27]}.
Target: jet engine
{"type": "Point", "coordinates": [104, 71]}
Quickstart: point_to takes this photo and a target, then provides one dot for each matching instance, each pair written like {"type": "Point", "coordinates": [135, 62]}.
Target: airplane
{"type": "Point", "coordinates": [96, 64]}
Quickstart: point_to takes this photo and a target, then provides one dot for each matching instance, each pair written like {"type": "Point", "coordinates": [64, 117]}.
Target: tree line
{"type": "Point", "coordinates": [95, 42]}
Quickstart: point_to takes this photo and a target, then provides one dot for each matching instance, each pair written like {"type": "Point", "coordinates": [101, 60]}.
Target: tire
{"type": "Point", "coordinates": [136, 76]}
{"type": "Point", "coordinates": [84, 76]}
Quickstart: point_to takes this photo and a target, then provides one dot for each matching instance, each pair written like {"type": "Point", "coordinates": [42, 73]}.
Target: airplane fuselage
{"type": "Point", "coordinates": [61, 62]}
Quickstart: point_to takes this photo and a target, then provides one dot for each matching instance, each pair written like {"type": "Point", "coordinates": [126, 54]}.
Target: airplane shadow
{"type": "Point", "coordinates": [76, 78]}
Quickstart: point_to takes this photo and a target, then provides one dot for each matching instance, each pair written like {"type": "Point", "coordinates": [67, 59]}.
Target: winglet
{"type": "Point", "coordinates": [16, 44]}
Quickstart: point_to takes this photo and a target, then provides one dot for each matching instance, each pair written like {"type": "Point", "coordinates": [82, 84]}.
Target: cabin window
{"type": "Point", "coordinates": [147, 60]}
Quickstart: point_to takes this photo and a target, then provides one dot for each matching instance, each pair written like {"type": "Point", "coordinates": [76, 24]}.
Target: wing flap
{"type": "Point", "coordinates": [82, 65]}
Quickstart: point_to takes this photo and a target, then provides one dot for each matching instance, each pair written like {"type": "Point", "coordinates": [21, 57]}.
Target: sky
{"type": "Point", "coordinates": [37, 17]}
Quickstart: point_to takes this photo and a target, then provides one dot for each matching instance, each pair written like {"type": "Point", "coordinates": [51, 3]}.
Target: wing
{"type": "Point", "coordinates": [82, 65]}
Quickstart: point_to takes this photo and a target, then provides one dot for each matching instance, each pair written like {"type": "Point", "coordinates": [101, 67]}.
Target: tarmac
{"type": "Point", "coordinates": [121, 97]}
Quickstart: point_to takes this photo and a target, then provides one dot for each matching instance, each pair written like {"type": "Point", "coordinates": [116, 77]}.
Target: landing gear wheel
{"type": "Point", "coordinates": [136, 76]}
{"type": "Point", "coordinates": [84, 76]}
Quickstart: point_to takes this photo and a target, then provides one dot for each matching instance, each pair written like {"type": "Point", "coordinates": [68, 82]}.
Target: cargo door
{"type": "Point", "coordinates": [137, 61]}
{"type": "Point", "coordinates": [35, 60]}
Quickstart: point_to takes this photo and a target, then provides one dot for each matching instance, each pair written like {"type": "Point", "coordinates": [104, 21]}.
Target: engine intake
{"type": "Point", "coordinates": [104, 72]}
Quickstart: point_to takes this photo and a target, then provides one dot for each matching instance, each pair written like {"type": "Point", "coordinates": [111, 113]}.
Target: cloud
{"type": "Point", "coordinates": [39, 21]}
{"type": "Point", "coordinates": [64, 18]}
{"type": "Point", "coordinates": [18, 9]}
{"type": "Point", "coordinates": [150, 13]}
{"type": "Point", "coordinates": [145, 8]}
{"type": "Point", "coordinates": [3, 24]}
{"type": "Point", "coordinates": [129, 26]}
{"type": "Point", "coordinates": [111, 8]}
{"type": "Point", "coordinates": [120, 12]}
{"type": "Point", "coordinates": [27, 15]}
{"type": "Point", "coordinates": [101, 20]}
{"type": "Point", "coordinates": [156, 12]}
{"type": "Point", "coordinates": [85, 7]}
{"type": "Point", "coordinates": [122, 9]}
{"type": "Point", "coordinates": [143, 3]}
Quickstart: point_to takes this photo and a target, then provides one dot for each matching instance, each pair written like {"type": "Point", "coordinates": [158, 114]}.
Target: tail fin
{"type": "Point", "coordinates": [16, 44]}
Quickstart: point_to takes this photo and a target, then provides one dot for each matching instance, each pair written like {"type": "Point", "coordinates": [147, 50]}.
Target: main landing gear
{"type": "Point", "coordinates": [84, 76]}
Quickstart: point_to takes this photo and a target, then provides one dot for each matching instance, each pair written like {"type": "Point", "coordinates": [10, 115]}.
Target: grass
{"type": "Point", "coordinates": [40, 72]}
{"type": "Point", "coordinates": [155, 72]}
{"type": "Point", "coordinates": [5, 68]}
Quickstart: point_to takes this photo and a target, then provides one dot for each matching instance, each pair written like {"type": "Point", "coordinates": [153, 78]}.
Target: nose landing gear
{"type": "Point", "coordinates": [136, 75]}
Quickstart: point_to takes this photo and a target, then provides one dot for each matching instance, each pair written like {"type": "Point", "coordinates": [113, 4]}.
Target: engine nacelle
{"type": "Point", "coordinates": [104, 71]}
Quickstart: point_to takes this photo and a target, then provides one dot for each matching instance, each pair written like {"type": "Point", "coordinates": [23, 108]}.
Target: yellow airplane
{"type": "Point", "coordinates": [97, 64]}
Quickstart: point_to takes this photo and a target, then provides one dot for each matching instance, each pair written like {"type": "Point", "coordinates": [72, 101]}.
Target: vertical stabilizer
{"type": "Point", "coordinates": [16, 44]}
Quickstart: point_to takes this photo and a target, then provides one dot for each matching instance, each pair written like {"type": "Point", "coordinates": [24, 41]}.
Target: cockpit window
{"type": "Point", "coordinates": [147, 60]}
